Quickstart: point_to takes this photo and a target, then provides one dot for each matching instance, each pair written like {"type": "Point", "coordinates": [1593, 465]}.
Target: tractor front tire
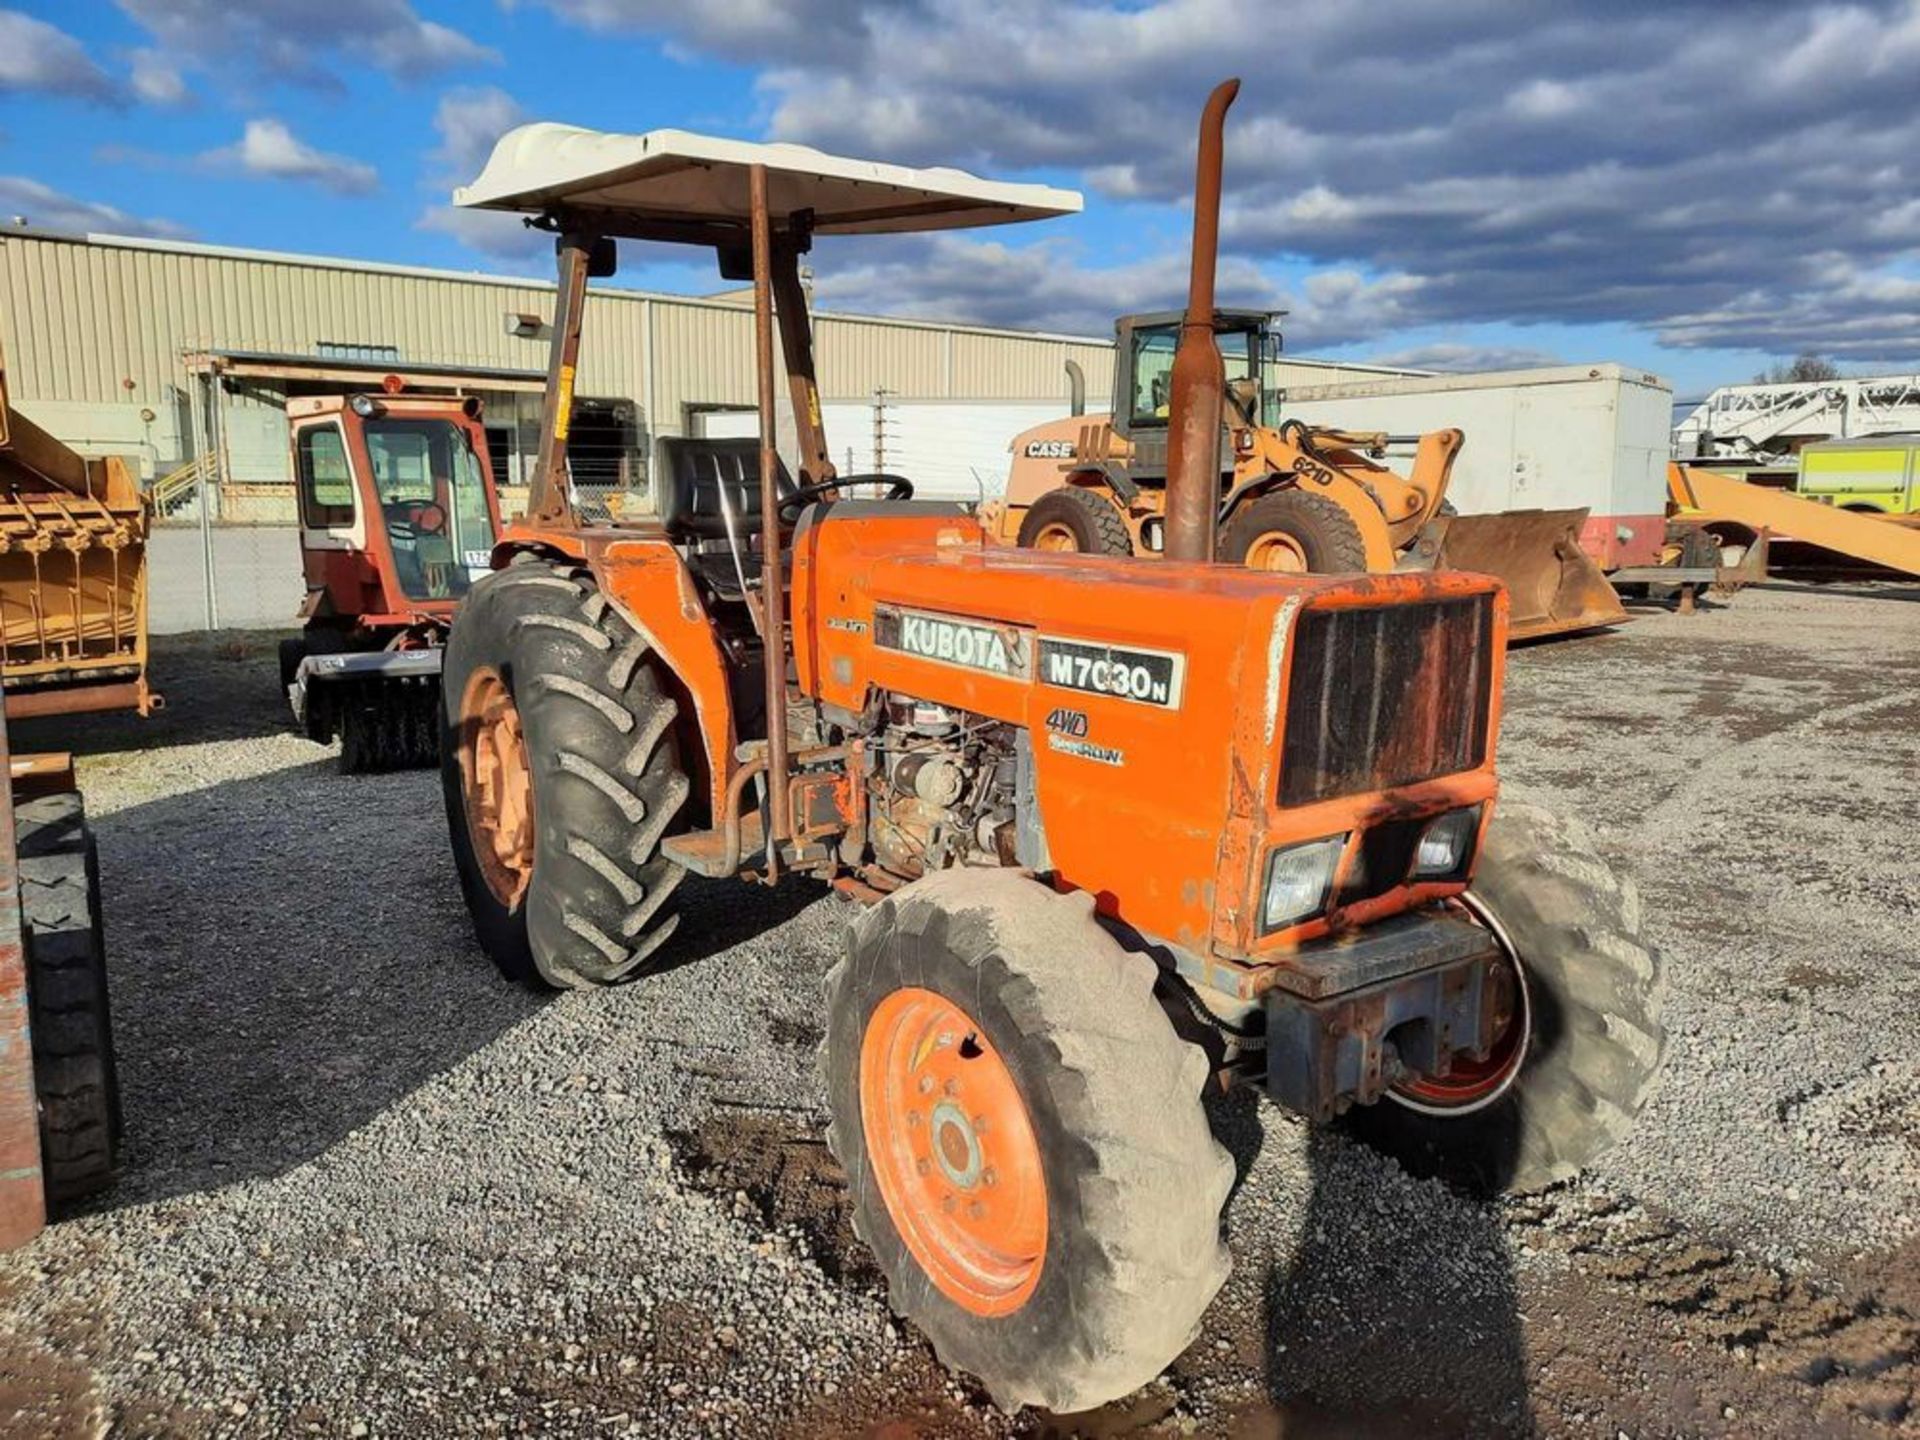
{"type": "Point", "coordinates": [1024, 1139]}
{"type": "Point", "coordinates": [1073, 519]}
{"type": "Point", "coordinates": [561, 772]}
{"type": "Point", "coordinates": [74, 1075]}
{"type": "Point", "coordinates": [1293, 532]}
{"type": "Point", "coordinates": [1593, 993]}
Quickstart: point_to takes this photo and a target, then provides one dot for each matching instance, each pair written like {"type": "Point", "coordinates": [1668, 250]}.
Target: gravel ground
{"type": "Point", "coordinates": [374, 1190]}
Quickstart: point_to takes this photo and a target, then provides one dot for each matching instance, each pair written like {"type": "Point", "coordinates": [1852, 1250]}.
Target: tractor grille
{"type": "Point", "coordinates": [1386, 696]}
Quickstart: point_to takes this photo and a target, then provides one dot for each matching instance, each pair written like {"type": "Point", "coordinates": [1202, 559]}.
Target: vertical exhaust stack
{"type": "Point", "coordinates": [1198, 387]}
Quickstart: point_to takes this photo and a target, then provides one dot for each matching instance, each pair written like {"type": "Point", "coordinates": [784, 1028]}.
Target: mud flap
{"type": "Point", "coordinates": [1553, 584]}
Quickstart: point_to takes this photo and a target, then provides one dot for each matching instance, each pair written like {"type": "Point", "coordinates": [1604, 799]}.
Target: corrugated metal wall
{"type": "Point", "coordinates": [105, 323]}
{"type": "Point", "coordinates": [94, 331]}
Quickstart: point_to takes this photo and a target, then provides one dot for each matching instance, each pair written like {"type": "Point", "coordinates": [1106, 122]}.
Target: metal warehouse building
{"type": "Point", "coordinates": [184, 355]}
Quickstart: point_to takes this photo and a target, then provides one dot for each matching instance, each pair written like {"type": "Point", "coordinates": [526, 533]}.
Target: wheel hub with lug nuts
{"type": "Point", "coordinates": [953, 1151]}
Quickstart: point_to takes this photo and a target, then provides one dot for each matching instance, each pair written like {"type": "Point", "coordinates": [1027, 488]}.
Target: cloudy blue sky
{"type": "Point", "coordinates": [1697, 188]}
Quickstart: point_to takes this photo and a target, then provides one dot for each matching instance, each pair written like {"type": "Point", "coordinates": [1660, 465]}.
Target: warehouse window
{"type": "Point", "coordinates": [352, 350]}
{"type": "Point", "coordinates": [326, 482]}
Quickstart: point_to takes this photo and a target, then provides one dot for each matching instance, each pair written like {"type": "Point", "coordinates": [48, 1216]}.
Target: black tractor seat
{"type": "Point", "coordinates": [698, 471]}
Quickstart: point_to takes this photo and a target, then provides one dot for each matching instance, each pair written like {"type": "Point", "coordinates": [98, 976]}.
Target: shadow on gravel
{"type": "Point", "coordinates": [720, 914]}
{"type": "Point", "coordinates": [218, 686]}
{"type": "Point", "coordinates": [1380, 1324]}
{"type": "Point", "coordinates": [290, 956]}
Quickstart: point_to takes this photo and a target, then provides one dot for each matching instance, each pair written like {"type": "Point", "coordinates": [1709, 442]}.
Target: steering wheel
{"type": "Point", "coordinates": [430, 517]}
{"type": "Point", "coordinates": [898, 488]}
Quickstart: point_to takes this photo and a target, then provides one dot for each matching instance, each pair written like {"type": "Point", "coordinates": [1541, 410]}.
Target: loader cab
{"type": "Point", "coordinates": [1144, 346]}
{"type": "Point", "coordinates": [398, 512]}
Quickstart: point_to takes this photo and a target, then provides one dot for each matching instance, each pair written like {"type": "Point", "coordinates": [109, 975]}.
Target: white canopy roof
{"type": "Point", "coordinates": [675, 174]}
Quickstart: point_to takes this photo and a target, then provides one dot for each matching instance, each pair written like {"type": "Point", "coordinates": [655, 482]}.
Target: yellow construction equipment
{"type": "Point", "coordinates": [1293, 498]}
{"type": "Point", "coordinates": [1739, 512]}
{"type": "Point", "coordinates": [73, 576]}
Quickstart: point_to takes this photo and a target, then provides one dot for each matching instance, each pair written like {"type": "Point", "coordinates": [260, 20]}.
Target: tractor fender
{"type": "Point", "coordinates": [649, 585]}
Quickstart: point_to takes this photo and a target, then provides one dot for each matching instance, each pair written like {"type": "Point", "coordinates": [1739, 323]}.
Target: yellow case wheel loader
{"type": "Point", "coordinates": [1124, 832]}
{"type": "Point", "coordinates": [1295, 499]}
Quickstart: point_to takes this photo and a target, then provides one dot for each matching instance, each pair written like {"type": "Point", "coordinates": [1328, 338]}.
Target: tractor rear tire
{"type": "Point", "coordinates": [1594, 993]}
{"type": "Point", "coordinates": [1069, 1127]}
{"type": "Point", "coordinates": [1073, 519]}
{"type": "Point", "coordinates": [1292, 531]}
{"type": "Point", "coordinates": [74, 1075]}
{"type": "Point", "coordinates": [601, 757]}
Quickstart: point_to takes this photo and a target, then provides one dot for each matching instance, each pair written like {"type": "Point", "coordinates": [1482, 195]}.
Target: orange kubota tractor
{"type": "Point", "coordinates": [1293, 498]}
{"type": "Point", "coordinates": [1122, 831]}
{"type": "Point", "coordinates": [398, 514]}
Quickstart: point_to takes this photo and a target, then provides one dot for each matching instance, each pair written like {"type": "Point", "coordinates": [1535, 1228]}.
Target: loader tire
{"type": "Point", "coordinates": [990, 1045]}
{"type": "Point", "coordinates": [1293, 532]}
{"type": "Point", "coordinates": [539, 659]}
{"type": "Point", "coordinates": [1593, 1045]}
{"type": "Point", "coordinates": [73, 1066]}
{"type": "Point", "coordinates": [1073, 519]}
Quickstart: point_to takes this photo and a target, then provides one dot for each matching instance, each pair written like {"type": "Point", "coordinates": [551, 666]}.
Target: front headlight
{"type": "Point", "coordinates": [1298, 879]}
{"type": "Point", "coordinates": [1446, 845]}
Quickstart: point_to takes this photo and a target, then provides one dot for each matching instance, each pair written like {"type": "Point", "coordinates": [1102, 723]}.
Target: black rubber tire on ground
{"type": "Point", "coordinates": [73, 1066]}
{"type": "Point", "coordinates": [1596, 991]}
{"type": "Point", "coordinates": [607, 782]}
{"type": "Point", "coordinates": [1096, 525]}
{"type": "Point", "coordinates": [1326, 534]}
{"type": "Point", "coordinates": [293, 649]}
{"type": "Point", "coordinates": [1135, 1180]}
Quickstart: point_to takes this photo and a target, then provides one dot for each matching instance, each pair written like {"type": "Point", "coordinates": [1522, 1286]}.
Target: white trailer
{"type": "Point", "coordinates": [950, 449]}
{"type": "Point", "coordinates": [1590, 437]}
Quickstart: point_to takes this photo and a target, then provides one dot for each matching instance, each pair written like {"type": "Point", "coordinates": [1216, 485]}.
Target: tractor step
{"type": "Point", "coordinates": [705, 852]}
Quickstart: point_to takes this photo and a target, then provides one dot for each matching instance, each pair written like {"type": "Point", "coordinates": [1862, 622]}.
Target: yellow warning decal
{"type": "Point", "coordinates": [563, 412]}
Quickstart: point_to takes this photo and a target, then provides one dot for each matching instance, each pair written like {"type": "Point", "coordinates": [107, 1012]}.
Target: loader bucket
{"type": "Point", "coordinates": [73, 621]}
{"type": "Point", "coordinates": [1552, 583]}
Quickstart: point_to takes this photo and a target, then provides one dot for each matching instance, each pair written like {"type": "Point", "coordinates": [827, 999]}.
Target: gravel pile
{"type": "Point", "coordinates": [374, 1190]}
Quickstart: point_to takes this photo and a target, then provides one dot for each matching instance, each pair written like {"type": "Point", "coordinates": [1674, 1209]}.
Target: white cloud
{"type": "Point", "coordinates": [36, 56]}
{"type": "Point", "coordinates": [156, 79]}
{"type": "Point", "coordinates": [269, 149]}
{"type": "Point", "coordinates": [42, 205]}
{"type": "Point", "coordinates": [1594, 164]}
{"type": "Point", "coordinates": [468, 121]}
{"type": "Point", "coordinates": [304, 41]}
{"type": "Point", "coordinates": [1046, 286]}
{"type": "Point", "coordinates": [1452, 356]}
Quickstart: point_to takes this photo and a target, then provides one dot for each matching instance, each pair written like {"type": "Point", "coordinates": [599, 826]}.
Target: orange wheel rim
{"type": "Point", "coordinates": [1278, 552]}
{"type": "Point", "coordinates": [1055, 537]}
{"type": "Point", "coordinates": [1471, 1084]}
{"type": "Point", "coordinates": [499, 785]}
{"type": "Point", "coordinates": [953, 1152]}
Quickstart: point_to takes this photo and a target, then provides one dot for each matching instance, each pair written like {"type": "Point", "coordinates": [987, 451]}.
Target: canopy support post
{"type": "Point", "coordinates": [796, 345]}
{"type": "Point", "coordinates": [549, 503]}
{"type": "Point", "coordinates": [772, 595]}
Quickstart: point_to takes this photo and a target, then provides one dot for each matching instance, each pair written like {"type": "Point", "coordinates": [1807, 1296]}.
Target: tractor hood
{"type": "Point", "coordinates": [1191, 715]}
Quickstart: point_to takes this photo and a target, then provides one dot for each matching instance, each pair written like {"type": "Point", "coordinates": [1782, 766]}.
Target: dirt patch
{"type": "Point", "coordinates": [779, 1169]}
{"type": "Point", "coordinates": [1859, 1348]}
{"type": "Point", "coordinates": [800, 1034]}
{"type": "Point", "coordinates": [42, 1393]}
{"type": "Point", "coordinates": [1804, 976]}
